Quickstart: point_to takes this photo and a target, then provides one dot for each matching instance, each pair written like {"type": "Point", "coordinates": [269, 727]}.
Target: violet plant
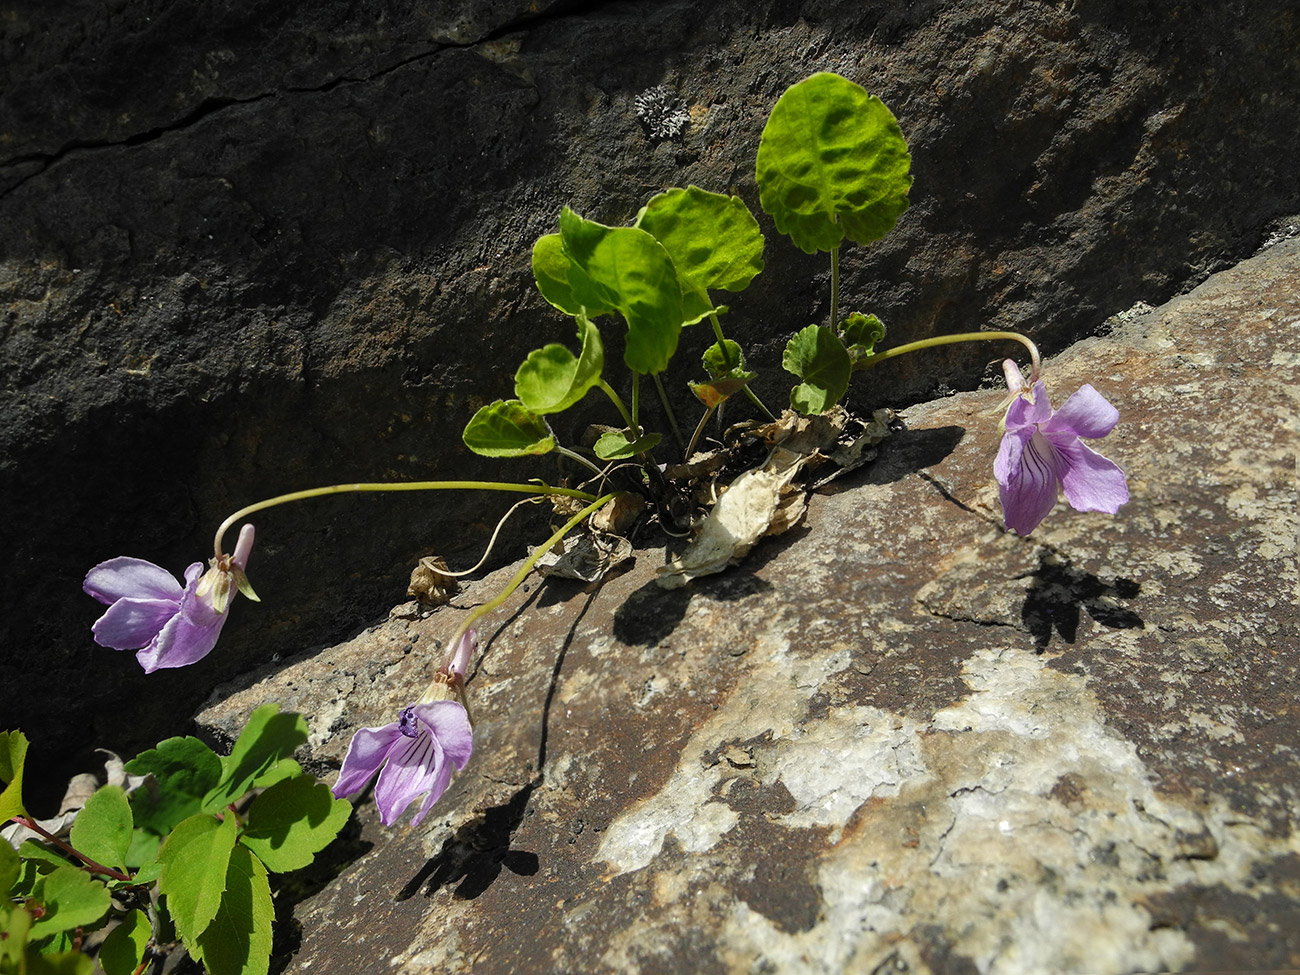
{"type": "Point", "coordinates": [205, 832]}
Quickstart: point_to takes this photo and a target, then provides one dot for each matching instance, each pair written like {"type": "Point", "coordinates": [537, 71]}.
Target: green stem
{"type": "Point", "coordinates": [672, 417]}
{"type": "Point", "coordinates": [480, 611]}
{"type": "Point", "coordinates": [835, 288]}
{"type": "Point", "coordinates": [636, 406]}
{"type": "Point", "coordinates": [879, 357]}
{"type": "Point", "coordinates": [574, 455]}
{"type": "Point", "coordinates": [722, 341]}
{"type": "Point", "coordinates": [608, 390]}
{"type": "Point", "coordinates": [539, 489]}
{"type": "Point", "coordinates": [753, 398]}
{"type": "Point", "coordinates": [699, 429]}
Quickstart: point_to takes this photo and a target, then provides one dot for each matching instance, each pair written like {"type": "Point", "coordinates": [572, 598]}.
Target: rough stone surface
{"type": "Point", "coordinates": [899, 739]}
{"type": "Point", "coordinates": [253, 247]}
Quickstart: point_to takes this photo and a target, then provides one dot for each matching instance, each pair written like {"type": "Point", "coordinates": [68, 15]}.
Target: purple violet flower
{"type": "Point", "coordinates": [1041, 452]}
{"type": "Point", "coordinates": [414, 755]}
{"type": "Point", "coordinates": [167, 624]}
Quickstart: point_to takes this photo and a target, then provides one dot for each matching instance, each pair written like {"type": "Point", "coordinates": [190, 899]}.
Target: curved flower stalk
{"type": "Point", "coordinates": [1041, 453]}
{"type": "Point", "coordinates": [167, 624]}
{"type": "Point", "coordinates": [416, 754]}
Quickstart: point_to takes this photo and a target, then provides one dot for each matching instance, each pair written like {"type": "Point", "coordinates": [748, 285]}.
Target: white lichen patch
{"type": "Point", "coordinates": [1017, 823]}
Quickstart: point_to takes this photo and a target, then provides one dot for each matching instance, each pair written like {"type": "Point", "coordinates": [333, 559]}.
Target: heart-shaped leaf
{"type": "Point", "coordinates": [552, 378]}
{"type": "Point", "coordinates": [832, 163]}
{"type": "Point", "coordinates": [817, 356]}
{"type": "Point", "coordinates": [617, 445]}
{"type": "Point", "coordinates": [507, 428]}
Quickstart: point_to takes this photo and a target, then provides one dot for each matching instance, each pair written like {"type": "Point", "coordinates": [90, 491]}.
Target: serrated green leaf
{"type": "Point", "coordinates": [102, 830]}
{"type": "Point", "coordinates": [817, 356]}
{"type": "Point", "coordinates": [268, 737]}
{"type": "Point", "coordinates": [625, 268]}
{"type": "Point", "coordinates": [861, 333]}
{"type": "Point", "coordinates": [13, 753]}
{"type": "Point", "coordinates": [289, 823]}
{"type": "Point", "coordinates": [238, 941]}
{"type": "Point", "coordinates": [124, 948]}
{"type": "Point", "coordinates": [507, 428]}
{"type": "Point", "coordinates": [617, 445]}
{"type": "Point", "coordinates": [713, 239]}
{"type": "Point", "coordinates": [552, 270]}
{"type": "Point", "coordinates": [185, 771]}
{"type": "Point", "coordinates": [43, 857]}
{"type": "Point", "coordinates": [194, 859]}
{"type": "Point", "coordinates": [552, 378]}
{"type": "Point", "coordinates": [832, 162]}
{"type": "Point", "coordinates": [10, 866]}
{"type": "Point", "coordinates": [72, 898]}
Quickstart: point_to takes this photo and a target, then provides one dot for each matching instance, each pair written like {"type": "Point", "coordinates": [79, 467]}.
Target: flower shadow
{"type": "Point", "coordinates": [1060, 592]}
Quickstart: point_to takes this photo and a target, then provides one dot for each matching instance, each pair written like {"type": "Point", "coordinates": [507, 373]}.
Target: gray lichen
{"type": "Point", "coordinates": [661, 112]}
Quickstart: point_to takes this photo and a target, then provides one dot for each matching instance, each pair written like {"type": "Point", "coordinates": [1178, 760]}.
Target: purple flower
{"type": "Point", "coordinates": [149, 611]}
{"type": "Point", "coordinates": [414, 756]}
{"type": "Point", "coordinates": [1041, 452]}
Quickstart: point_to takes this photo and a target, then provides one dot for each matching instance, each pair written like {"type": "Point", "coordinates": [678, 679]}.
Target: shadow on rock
{"type": "Point", "coordinates": [476, 853]}
{"type": "Point", "coordinates": [904, 452]}
{"type": "Point", "coordinates": [1058, 592]}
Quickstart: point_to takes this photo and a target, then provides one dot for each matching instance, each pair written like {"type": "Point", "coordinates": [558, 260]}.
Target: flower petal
{"type": "Point", "coordinates": [130, 624]}
{"type": "Point", "coordinates": [180, 643]}
{"type": "Point", "coordinates": [1085, 414]}
{"type": "Point", "coordinates": [1091, 481]}
{"type": "Point", "coordinates": [127, 578]}
{"type": "Point", "coordinates": [1029, 492]}
{"type": "Point", "coordinates": [449, 723]}
{"type": "Point", "coordinates": [366, 754]}
{"type": "Point", "coordinates": [438, 785]}
{"type": "Point", "coordinates": [412, 768]}
{"type": "Point", "coordinates": [1025, 413]}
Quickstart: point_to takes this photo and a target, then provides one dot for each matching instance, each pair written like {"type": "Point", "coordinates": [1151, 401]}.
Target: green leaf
{"type": "Point", "coordinates": [102, 830]}
{"type": "Point", "coordinates": [713, 239]}
{"type": "Point", "coordinates": [719, 390]}
{"type": "Point", "coordinates": [725, 360]}
{"type": "Point", "coordinates": [617, 445]}
{"type": "Point", "coordinates": [289, 823]}
{"type": "Point", "coordinates": [13, 752]}
{"type": "Point", "coordinates": [64, 963]}
{"type": "Point", "coordinates": [10, 867]}
{"type": "Point", "coordinates": [817, 356]}
{"type": "Point", "coordinates": [124, 948]}
{"type": "Point", "coordinates": [194, 860]}
{"type": "Point", "coordinates": [507, 428]}
{"type": "Point", "coordinates": [625, 268]}
{"type": "Point", "coordinates": [552, 270]}
{"type": "Point", "coordinates": [238, 941]}
{"type": "Point", "coordinates": [861, 333]}
{"type": "Point", "coordinates": [71, 898]}
{"type": "Point", "coordinates": [552, 379]}
{"type": "Point", "coordinates": [185, 770]}
{"type": "Point", "coordinates": [267, 738]}
{"type": "Point", "coordinates": [832, 162]}
{"type": "Point", "coordinates": [15, 923]}
{"type": "Point", "coordinates": [44, 858]}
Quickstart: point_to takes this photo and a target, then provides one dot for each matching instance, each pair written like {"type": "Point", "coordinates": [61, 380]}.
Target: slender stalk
{"type": "Point", "coordinates": [479, 611]}
{"type": "Point", "coordinates": [90, 864]}
{"type": "Point", "coordinates": [636, 406]}
{"type": "Point", "coordinates": [726, 360]}
{"type": "Point", "coordinates": [608, 390]}
{"type": "Point", "coordinates": [699, 429]}
{"type": "Point", "coordinates": [539, 489]}
{"type": "Point", "coordinates": [835, 288]}
{"type": "Point", "coordinates": [574, 455]}
{"type": "Point", "coordinates": [672, 417]}
{"type": "Point", "coordinates": [953, 339]}
{"type": "Point", "coordinates": [753, 398]}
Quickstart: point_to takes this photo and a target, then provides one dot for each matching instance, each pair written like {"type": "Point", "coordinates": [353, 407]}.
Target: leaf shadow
{"type": "Point", "coordinates": [1060, 592]}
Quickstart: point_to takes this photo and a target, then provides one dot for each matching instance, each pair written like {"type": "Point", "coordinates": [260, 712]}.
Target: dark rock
{"type": "Point", "coordinates": [250, 248]}
{"type": "Point", "coordinates": [946, 748]}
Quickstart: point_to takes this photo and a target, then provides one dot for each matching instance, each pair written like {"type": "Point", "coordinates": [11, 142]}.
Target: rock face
{"type": "Point", "coordinates": [247, 248]}
{"type": "Point", "coordinates": [902, 739]}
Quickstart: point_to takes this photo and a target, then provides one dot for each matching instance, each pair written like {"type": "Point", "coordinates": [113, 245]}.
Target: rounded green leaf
{"type": "Point", "coordinates": [713, 239]}
{"type": "Point", "coordinates": [292, 821]}
{"type": "Point", "coordinates": [102, 830]}
{"type": "Point", "coordinates": [124, 948]}
{"type": "Point", "coordinates": [71, 898]}
{"type": "Point", "coordinates": [552, 270]}
{"type": "Point", "coordinates": [626, 269]}
{"type": "Point", "coordinates": [194, 860]}
{"type": "Point", "coordinates": [268, 738]}
{"type": "Point", "coordinates": [817, 356]}
{"type": "Point", "coordinates": [238, 941]}
{"type": "Point", "coordinates": [507, 428]}
{"type": "Point", "coordinates": [10, 867]}
{"type": "Point", "coordinates": [552, 379]}
{"type": "Point", "coordinates": [724, 360]}
{"type": "Point", "coordinates": [13, 752]}
{"type": "Point", "coordinates": [832, 162]}
{"type": "Point", "coordinates": [616, 445]}
{"type": "Point", "coordinates": [185, 770]}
